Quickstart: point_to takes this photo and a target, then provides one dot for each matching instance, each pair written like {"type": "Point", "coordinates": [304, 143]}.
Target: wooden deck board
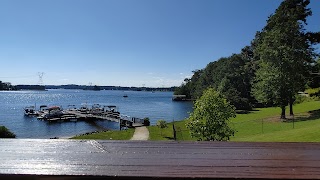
{"type": "Point", "coordinates": [134, 160]}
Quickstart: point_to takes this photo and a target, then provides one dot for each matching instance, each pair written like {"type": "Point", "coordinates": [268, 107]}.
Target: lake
{"type": "Point", "coordinates": [140, 104]}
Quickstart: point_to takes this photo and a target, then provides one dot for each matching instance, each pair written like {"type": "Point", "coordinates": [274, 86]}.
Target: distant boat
{"type": "Point", "coordinates": [30, 111]}
{"type": "Point", "coordinates": [125, 96]}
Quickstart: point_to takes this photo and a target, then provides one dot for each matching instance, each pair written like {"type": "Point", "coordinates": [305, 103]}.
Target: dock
{"type": "Point", "coordinates": [79, 115]}
{"type": "Point", "coordinates": [96, 112]}
{"type": "Point", "coordinates": [75, 115]}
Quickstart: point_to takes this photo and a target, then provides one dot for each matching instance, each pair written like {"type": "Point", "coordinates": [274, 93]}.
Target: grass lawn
{"type": "Point", "coordinates": [266, 121]}
{"type": "Point", "coordinates": [262, 124]}
{"type": "Point", "coordinates": [262, 113]}
{"type": "Point", "coordinates": [108, 135]}
{"type": "Point", "coordinates": [304, 131]}
{"type": "Point", "coordinates": [167, 133]}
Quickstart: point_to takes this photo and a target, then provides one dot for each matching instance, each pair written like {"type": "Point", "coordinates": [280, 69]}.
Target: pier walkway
{"type": "Point", "coordinates": [140, 134]}
{"type": "Point", "coordinates": [85, 116]}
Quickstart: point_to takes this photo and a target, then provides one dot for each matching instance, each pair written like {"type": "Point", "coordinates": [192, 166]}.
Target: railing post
{"type": "Point", "coordinates": [262, 125]}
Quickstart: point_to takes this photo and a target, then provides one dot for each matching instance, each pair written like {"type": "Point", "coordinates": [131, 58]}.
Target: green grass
{"type": "Point", "coordinates": [252, 126]}
{"type": "Point", "coordinates": [312, 91]}
{"type": "Point", "coordinates": [262, 125]}
{"type": "Point", "coordinates": [156, 134]}
{"type": "Point", "coordinates": [306, 131]}
{"type": "Point", "coordinates": [108, 135]}
{"type": "Point", "coordinates": [266, 121]}
{"type": "Point", "coordinates": [262, 113]}
{"type": "Point", "coordinates": [167, 133]}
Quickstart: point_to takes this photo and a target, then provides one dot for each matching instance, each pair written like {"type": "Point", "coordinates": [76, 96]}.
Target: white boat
{"type": "Point", "coordinates": [72, 107]}
{"type": "Point", "coordinates": [84, 108]}
{"type": "Point", "coordinates": [52, 112]}
{"type": "Point", "coordinates": [30, 111]}
{"type": "Point", "coordinates": [96, 109]}
{"type": "Point", "coordinates": [112, 111]}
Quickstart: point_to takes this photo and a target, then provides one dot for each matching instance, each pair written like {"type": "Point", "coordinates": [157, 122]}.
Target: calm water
{"type": "Point", "coordinates": [140, 104]}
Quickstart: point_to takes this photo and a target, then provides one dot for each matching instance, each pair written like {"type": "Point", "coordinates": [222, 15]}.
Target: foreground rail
{"type": "Point", "coordinates": [70, 159]}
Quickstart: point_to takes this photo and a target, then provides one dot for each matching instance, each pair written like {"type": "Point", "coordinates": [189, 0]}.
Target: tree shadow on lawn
{"type": "Point", "coordinates": [311, 115]}
{"type": "Point", "coordinates": [246, 111]}
{"type": "Point", "coordinates": [169, 138]}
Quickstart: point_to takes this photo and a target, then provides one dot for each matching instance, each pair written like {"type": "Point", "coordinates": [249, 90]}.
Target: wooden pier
{"type": "Point", "coordinates": [96, 112]}
{"type": "Point", "coordinates": [80, 115]}
{"type": "Point", "coordinates": [75, 115]}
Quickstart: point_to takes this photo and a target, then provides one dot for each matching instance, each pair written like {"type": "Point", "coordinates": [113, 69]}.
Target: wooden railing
{"type": "Point", "coordinates": [76, 159]}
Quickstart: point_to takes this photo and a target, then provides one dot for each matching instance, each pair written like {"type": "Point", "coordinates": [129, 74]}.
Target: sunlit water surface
{"type": "Point", "coordinates": [155, 105]}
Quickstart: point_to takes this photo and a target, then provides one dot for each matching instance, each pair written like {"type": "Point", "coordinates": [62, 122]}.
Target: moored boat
{"type": "Point", "coordinates": [52, 112]}
{"type": "Point", "coordinates": [30, 111]}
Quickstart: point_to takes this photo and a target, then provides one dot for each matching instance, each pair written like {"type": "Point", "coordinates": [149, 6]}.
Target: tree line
{"type": "Point", "coordinates": [278, 63]}
{"type": "Point", "coordinates": [6, 86]}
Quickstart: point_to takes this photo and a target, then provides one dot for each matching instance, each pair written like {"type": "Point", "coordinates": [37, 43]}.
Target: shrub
{"type": "Point", "coordinates": [162, 124]}
{"type": "Point", "coordinates": [210, 119]}
{"type": "Point", "coordinates": [5, 133]}
{"type": "Point", "coordinates": [146, 121]}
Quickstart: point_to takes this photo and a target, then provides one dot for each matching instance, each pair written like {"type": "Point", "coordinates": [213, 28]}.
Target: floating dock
{"type": "Point", "coordinates": [79, 115]}
{"type": "Point", "coordinates": [90, 115]}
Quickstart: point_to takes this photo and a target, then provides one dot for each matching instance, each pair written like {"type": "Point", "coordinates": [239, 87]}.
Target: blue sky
{"type": "Point", "coordinates": [155, 43]}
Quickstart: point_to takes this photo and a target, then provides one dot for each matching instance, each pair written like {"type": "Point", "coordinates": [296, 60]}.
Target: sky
{"type": "Point", "coordinates": [152, 43]}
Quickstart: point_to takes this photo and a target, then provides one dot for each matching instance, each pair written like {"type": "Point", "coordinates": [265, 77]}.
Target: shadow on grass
{"type": "Point", "coordinates": [312, 115]}
{"type": "Point", "coordinates": [169, 138]}
{"type": "Point", "coordinates": [246, 111]}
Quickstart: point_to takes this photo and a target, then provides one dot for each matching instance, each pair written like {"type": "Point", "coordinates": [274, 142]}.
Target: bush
{"type": "Point", "coordinates": [146, 121]}
{"type": "Point", "coordinates": [210, 119]}
{"type": "Point", "coordinates": [313, 92]}
{"type": "Point", "coordinates": [5, 133]}
{"type": "Point", "coordinates": [162, 124]}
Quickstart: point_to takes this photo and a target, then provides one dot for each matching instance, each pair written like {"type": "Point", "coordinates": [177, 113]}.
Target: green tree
{"type": "Point", "coordinates": [190, 87]}
{"type": "Point", "coordinates": [1, 85]}
{"type": "Point", "coordinates": [162, 124]}
{"type": "Point", "coordinates": [286, 50]}
{"type": "Point", "coordinates": [6, 133]}
{"type": "Point", "coordinates": [231, 76]}
{"type": "Point", "coordinates": [314, 79]}
{"type": "Point", "coordinates": [210, 119]}
{"type": "Point", "coordinates": [146, 121]}
{"type": "Point", "coordinates": [267, 87]}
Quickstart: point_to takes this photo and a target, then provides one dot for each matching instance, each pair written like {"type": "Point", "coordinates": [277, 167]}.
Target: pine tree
{"type": "Point", "coordinates": [285, 49]}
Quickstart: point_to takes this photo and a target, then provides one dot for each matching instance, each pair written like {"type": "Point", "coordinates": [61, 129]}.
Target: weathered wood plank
{"type": "Point", "coordinates": [124, 159]}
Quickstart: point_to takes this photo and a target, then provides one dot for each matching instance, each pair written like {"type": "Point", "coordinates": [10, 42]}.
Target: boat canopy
{"type": "Point", "coordinates": [53, 108]}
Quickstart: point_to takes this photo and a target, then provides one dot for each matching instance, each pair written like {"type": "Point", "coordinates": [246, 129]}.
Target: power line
{"type": "Point", "coordinates": [17, 76]}
{"type": "Point", "coordinates": [40, 74]}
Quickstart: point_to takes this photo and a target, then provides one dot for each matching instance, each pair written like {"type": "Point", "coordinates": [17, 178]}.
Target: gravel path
{"type": "Point", "coordinates": [141, 134]}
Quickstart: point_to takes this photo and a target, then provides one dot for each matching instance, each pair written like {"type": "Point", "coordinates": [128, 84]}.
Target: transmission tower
{"type": "Point", "coordinates": [40, 74]}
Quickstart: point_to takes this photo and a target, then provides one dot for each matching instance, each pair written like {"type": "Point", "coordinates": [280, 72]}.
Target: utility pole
{"type": "Point", "coordinates": [40, 82]}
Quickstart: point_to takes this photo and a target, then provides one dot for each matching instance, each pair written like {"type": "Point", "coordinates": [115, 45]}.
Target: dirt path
{"type": "Point", "coordinates": [141, 134]}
